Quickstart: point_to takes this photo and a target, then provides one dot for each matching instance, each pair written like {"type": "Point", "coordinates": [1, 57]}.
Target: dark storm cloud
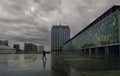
{"type": "Point", "coordinates": [31, 20]}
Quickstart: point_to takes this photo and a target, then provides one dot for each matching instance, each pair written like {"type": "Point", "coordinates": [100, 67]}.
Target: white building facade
{"type": "Point", "coordinates": [7, 50]}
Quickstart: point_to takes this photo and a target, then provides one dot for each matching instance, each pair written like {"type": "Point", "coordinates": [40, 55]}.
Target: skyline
{"type": "Point", "coordinates": [30, 21]}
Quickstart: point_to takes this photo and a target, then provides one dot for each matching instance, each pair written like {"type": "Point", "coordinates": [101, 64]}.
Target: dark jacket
{"type": "Point", "coordinates": [44, 53]}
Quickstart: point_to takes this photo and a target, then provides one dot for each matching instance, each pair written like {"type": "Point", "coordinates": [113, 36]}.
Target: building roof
{"type": "Point", "coordinates": [5, 47]}
{"type": "Point", "coordinates": [107, 13]}
{"type": "Point", "coordinates": [60, 26]}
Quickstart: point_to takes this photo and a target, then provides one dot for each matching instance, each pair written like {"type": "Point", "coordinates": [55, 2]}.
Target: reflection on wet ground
{"type": "Point", "coordinates": [58, 65]}
{"type": "Point", "coordinates": [81, 65]}
{"type": "Point", "coordinates": [24, 65]}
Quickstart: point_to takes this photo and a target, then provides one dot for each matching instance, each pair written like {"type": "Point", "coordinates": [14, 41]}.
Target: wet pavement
{"type": "Point", "coordinates": [24, 65]}
{"type": "Point", "coordinates": [84, 65]}
{"type": "Point", "coordinates": [58, 65]}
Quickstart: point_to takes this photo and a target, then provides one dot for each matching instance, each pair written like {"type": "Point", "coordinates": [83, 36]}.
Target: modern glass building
{"type": "Point", "coordinates": [59, 35]}
{"type": "Point", "coordinates": [104, 31]}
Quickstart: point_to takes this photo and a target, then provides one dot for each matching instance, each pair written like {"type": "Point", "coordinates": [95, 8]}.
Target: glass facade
{"type": "Point", "coordinates": [103, 31]}
{"type": "Point", "coordinates": [59, 35]}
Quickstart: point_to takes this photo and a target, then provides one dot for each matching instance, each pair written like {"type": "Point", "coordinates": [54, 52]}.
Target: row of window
{"type": "Point", "coordinates": [104, 32]}
{"type": "Point", "coordinates": [7, 51]}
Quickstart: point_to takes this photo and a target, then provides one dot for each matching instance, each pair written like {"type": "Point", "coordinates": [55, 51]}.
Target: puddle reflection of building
{"type": "Point", "coordinates": [59, 66]}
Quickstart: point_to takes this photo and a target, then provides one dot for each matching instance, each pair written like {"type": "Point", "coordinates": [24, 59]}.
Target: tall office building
{"type": "Point", "coordinates": [59, 35]}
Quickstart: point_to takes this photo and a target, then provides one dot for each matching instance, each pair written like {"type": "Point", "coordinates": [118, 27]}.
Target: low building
{"type": "Point", "coordinates": [30, 48]}
{"type": "Point", "coordinates": [4, 42]}
{"type": "Point", "coordinates": [103, 33]}
{"type": "Point", "coordinates": [6, 50]}
{"type": "Point", "coordinates": [41, 48]}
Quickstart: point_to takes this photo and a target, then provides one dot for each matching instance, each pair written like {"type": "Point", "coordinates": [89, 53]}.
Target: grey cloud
{"type": "Point", "coordinates": [30, 20]}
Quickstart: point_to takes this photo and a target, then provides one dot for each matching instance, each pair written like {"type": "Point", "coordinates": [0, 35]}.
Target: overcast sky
{"type": "Point", "coordinates": [31, 20]}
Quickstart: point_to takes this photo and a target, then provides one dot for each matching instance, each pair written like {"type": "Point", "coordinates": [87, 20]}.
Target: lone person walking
{"type": "Point", "coordinates": [44, 55]}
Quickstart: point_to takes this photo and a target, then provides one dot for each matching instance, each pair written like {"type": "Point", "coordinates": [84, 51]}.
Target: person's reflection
{"type": "Point", "coordinates": [44, 64]}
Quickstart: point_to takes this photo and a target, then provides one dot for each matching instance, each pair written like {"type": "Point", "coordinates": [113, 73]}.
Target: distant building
{"type": "Point", "coordinates": [59, 35]}
{"type": "Point", "coordinates": [4, 42]}
{"type": "Point", "coordinates": [6, 50]}
{"type": "Point", "coordinates": [17, 47]}
{"type": "Point", "coordinates": [41, 48]}
{"type": "Point", "coordinates": [30, 48]}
